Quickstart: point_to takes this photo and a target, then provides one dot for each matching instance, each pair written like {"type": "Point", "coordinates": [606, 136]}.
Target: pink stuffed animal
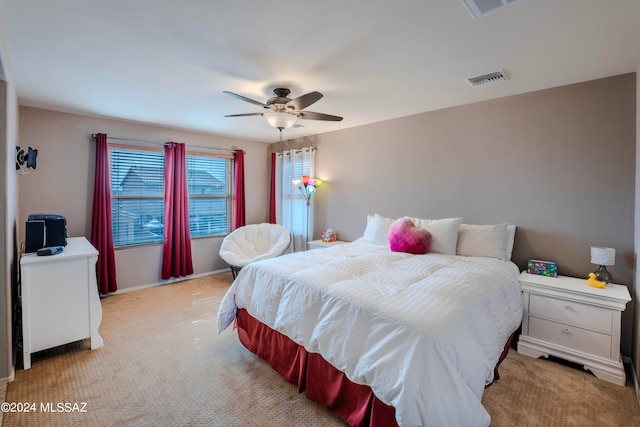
{"type": "Point", "coordinates": [404, 236]}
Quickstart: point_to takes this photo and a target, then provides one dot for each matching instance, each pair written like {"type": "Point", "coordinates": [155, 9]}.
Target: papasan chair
{"type": "Point", "coordinates": [254, 242]}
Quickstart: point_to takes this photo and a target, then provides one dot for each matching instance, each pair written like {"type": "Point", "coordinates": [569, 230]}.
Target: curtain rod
{"type": "Point", "coordinates": [224, 150]}
{"type": "Point", "coordinates": [297, 150]}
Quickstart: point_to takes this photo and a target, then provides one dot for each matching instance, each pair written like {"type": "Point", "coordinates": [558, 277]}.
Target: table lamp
{"type": "Point", "coordinates": [603, 256]}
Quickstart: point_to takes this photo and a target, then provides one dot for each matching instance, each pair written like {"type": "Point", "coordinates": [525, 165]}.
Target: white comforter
{"type": "Point", "coordinates": [424, 332]}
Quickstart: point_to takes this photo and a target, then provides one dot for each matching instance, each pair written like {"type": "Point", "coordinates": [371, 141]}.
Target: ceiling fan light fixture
{"type": "Point", "coordinates": [280, 120]}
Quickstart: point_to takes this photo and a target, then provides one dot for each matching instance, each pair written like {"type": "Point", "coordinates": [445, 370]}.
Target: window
{"type": "Point", "coordinates": [294, 205]}
{"type": "Point", "coordinates": [137, 193]}
{"type": "Point", "coordinates": [209, 187]}
{"type": "Point", "coordinates": [137, 196]}
{"type": "Point", "coordinates": [292, 211]}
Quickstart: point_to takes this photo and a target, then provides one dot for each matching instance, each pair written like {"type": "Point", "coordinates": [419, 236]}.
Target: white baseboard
{"type": "Point", "coordinates": [634, 377]}
{"type": "Point", "coordinates": [10, 378]}
{"type": "Point", "coordinates": [166, 282]}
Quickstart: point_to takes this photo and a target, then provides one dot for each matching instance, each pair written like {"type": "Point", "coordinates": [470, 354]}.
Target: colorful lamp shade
{"type": "Point", "coordinates": [310, 184]}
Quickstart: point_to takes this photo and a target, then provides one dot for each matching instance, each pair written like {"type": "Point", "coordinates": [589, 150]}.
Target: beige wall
{"type": "Point", "coordinates": [63, 182]}
{"type": "Point", "coordinates": [635, 294]}
{"type": "Point", "coordinates": [8, 208]}
{"type": "Point", "coordinates": [558, 163]}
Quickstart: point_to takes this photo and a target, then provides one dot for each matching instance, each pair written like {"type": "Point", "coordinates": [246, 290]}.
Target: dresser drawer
{"type": "Point", "coordinates": [571, 337]}
{"type": "Point", "coordinates": [571, 312]}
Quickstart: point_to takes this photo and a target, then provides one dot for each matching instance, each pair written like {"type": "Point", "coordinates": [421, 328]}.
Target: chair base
{"type": "Point", "coordinates": [234, 271]}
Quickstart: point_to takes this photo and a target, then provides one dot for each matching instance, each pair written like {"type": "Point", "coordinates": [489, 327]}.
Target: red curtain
{"type": "Point", "coordinates": [101, 225]}
{"type": "Point", "coordinates": [176, 256]}
{"type": "Point", "coordinates": [238, 190]}
{"type": "Point", "coordinates": [272, 199]}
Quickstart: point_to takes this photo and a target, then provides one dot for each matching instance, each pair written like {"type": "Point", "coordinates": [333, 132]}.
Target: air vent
{"type": "Point", "coordinates": [488, 79]}
{"type": "Point", "coordinates": [482, 7]}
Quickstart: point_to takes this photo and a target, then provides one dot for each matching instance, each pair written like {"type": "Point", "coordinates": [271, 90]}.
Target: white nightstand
{"type": "Point", "coordinates": [566, 318]}
{"type": "Point", "coordinates": [319, 244]}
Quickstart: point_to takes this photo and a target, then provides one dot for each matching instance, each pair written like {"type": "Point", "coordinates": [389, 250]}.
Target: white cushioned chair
{"type": "Point", "coordinates": [254, 242]}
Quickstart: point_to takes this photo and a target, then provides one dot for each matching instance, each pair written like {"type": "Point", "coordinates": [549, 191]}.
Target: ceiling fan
{"type": "Point", "coordinates": [282, 111]}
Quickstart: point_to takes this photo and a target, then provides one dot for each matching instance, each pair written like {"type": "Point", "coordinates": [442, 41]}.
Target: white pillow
{"type": "Point", "coordinates": [483, 240]}
{"type": "Point", "coordinates": [377, 231]}
{"type": "Point", "coordinates": [381, 227]}
{"type": "Point", "coordinates": [511, 236]}
{"type": "Point", "coordinates": [444, 233]}
{"type": "Point", "coordinates": [368, 231]}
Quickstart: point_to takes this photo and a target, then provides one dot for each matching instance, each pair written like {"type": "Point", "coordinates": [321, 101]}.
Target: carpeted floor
{"type": "Point", "coordinates": [163, 364]}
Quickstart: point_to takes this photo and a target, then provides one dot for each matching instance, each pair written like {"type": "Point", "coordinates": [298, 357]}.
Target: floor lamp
{"type": "Point", "coordinates": [307, 187]}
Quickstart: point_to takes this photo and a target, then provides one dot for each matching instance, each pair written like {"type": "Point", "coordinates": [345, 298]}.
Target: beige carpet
{"type": "Point", "coordinates": [163, 364]}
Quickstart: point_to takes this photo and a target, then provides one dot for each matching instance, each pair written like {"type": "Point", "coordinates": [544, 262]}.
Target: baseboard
{"type": "Point", "coordinates": [10, 378]}
{"type": "Point", "coordinates": [166, 282]}
{"type": "Point", "coordinates": [634, 377]}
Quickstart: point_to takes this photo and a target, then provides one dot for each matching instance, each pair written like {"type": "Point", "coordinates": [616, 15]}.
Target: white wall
{"type": "Point", "coordinates": [63, 182]}
{"type": "Point", "coordinates": [8, 206]}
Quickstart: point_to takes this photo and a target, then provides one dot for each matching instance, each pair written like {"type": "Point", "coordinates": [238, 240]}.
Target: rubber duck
{"type": "Point", "coordinates": [592, 281]}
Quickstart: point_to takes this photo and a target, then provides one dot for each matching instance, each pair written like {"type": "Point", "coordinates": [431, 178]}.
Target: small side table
{"type": "Point", "coordinates": [566, 318]}
{"type": "Point", "coordinates": [319, 244]}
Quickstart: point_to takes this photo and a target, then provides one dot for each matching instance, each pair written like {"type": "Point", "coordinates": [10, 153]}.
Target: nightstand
{"type": "Point", "coordinates": [319, 244]}
{"type": "Point", "coordinates": [566, 318]}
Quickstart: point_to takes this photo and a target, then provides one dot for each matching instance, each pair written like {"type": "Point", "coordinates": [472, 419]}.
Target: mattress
{"type": "Point", "coordinates": [424, 332]}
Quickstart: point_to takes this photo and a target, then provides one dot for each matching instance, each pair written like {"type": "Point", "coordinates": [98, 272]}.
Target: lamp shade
{"type": "Point", "coordinates": [280, 120]}
{"type": "Point", "coordinates": [307, 185]}
{"type": "Point", "coordinates": [603, 256]}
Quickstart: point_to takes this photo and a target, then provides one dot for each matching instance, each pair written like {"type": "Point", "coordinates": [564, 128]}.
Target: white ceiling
{"type": "Point", "coordinates": [167, 62]}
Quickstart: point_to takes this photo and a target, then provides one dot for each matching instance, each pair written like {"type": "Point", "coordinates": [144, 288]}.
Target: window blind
{"type": "Point", "coordinates": [209, 187]}
{"type": "Point", "coordinates": [137, 196]}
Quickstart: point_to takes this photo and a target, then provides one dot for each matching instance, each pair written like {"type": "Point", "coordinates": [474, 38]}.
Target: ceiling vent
{"type": "Point", "coordinates": [488, 79]}
{"type": "Point", "coordinates": [479, 8]}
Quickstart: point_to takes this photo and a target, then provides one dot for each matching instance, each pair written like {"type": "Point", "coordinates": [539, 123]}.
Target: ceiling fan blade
{"type": "Point", "coordinates": [308, 115]}
{"type": "Point", "coordinates": [243, 98]}
{"type": "Point", "coordinates": [243, 115]}
{"type": "Point", "coordinates": [302, 102]}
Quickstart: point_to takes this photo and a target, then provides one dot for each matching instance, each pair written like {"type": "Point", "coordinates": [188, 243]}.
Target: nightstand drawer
{"type": "Point", "coordinates": [571, 337]}
{"type": "Point", "coordinates": [571, 312]}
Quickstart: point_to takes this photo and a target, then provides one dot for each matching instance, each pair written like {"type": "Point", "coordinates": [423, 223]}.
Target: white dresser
{"type": "Point", "coordinates": [566, 318]}
{"type": "Point", "coordinates": [60, 301]}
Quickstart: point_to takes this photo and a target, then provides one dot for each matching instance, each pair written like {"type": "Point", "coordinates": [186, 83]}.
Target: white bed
{"type": "Point", "coordinates": [424, 332]}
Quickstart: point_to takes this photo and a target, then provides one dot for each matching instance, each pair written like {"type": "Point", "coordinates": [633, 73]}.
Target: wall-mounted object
{"type": "Point", "coordinates": [25, 160]}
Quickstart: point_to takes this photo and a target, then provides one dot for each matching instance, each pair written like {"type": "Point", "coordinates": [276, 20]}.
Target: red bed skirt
{"type": "Point", "coordinates": [321, 382]}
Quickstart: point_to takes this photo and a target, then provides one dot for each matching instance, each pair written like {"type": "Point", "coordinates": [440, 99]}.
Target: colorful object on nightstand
{"type": "Point", "coordinates": [329, 236]}
{"type": "Point", "coordinates": [592, 281]}
{"type": "Point", "coordinates": [542, 268]}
